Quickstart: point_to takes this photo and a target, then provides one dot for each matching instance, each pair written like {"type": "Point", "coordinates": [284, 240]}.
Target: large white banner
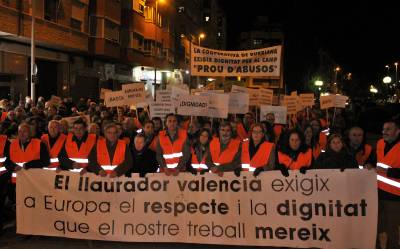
{"type": "Point", "coordinates": [258, 62]}
{"type": "Point", "coordinates": [322, 208]}
{"type": "Point", "coordinates": [193, 105]}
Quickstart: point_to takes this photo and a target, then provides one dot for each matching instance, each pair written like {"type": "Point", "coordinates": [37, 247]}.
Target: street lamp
{"type": "Point", "coordinates": [318, 83]}
{"type": "Point", "coordinates": [395, 76]}
{"type": "Point", "coordinates": [201, 36]}
{"type": "Point", "coordinates": [387, 80]}
{"type": "Point", "coordinates": [372, 89]}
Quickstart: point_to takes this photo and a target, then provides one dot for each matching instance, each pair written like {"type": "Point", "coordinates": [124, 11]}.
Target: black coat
{"type": "Point", "coordinates": [143, 162]}
{"type": "Point", "coordinates": [335, 160]}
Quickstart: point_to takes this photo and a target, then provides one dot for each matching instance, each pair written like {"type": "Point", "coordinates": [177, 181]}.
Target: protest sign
{"type": "Point", "coordinates": [331, 100]}
{"type": "Point", "coordinates": [116, 98]}
{"type": "Point", "coordinates": [193, 105]}
{"type": "Point", "coordinates": [238, 103]}
{"type": "Point", "coordinates": [310, 210]}
{"type": "Point", "coordinates": [266, 96]}
{"type": "Point", "coordinates": [291, 103]}
{"type": "Point", "coordinates": [103, 92]}
{"type": "Point", "coordinates": [265, 62]}
{"type": "Point", "coordinates": [340, 101]}
{"type": "Point", "coordinates": [218, 104]}
{"type": "Point", "coordinates": [280, 113]}
{"type": "Point", "coordinates": [176, 92]}
{"type": "Point", "coordinates": [134, 93]}
{"type": "Point", "coordinates": [164, 96]}
{"type": "Point", "coordinates": [307, 99]}
{"type": "Point", "coordinates": [160, 109]}
{"type": "Point", "coordinates": [254, 96]}
{"type": "Point", "coordinates": [239, 89]}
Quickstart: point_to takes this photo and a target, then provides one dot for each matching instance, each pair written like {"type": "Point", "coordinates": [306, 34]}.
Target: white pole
{"type": "Point", "coordinates": [33, 73]}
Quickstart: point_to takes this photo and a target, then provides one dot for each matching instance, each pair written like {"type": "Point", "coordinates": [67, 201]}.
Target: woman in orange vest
{"type": "Point", "coordinates": [75, 153]}
{"type": "Point", "coordinates": [4, 145]}
{"type": "Point", "coordinates": [294, 154]}
{"type": "Point", "coordinates": [225, 151]}
{"type": "Point", "coordinates": [54, 141]}
{"type": "Point", "coordinates": [200, 151]}
{"type": "Point", "coordinates": [111, 156]}
{"type": "Point", "coordinates": [336, 155]}
{"type": "Point", "coordinates": [257, 154]}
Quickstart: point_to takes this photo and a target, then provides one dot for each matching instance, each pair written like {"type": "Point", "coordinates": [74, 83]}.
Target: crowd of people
{"type": "Point", "coordinates": [119, 141]}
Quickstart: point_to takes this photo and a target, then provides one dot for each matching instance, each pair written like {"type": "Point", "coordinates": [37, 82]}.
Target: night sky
{"type": "Point", "coordinates": [360, 36]}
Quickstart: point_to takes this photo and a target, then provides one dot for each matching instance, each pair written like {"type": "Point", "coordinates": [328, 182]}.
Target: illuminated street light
{"type": "Point", "coordinates": [318, 83]}
{"type": "Point", "coordinates": [387, 80]}
{"type": "Point", "coordinates": [201, 36]}
{"type": "Point", "coordinates": [372, 89]}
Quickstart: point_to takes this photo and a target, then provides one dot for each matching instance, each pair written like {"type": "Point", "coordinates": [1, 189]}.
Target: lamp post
{"type": "Point", "coordinates": [33, 65]}
{"type": "Point", "coordinates": [201, 36]}
{"type": "Point", "coordinates": [337, 69]}
{"type": "Point", "coordinates": [395, 76]}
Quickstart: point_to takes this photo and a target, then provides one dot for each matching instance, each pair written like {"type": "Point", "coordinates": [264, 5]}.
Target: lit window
{"type": "Point", "coordinates": [219, 33]}
{"type": "Point", "coordinates": [207, 18]}
{"type": "Point", "coordinates": [181, 9]}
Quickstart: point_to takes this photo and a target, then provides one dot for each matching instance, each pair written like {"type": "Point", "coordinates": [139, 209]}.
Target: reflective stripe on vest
{"type": "Point", "coordinates": [53, 169]}
{"type": "Point", "coordinates": [389, 160]}
{"type": "Point", "coordinates": [79, 155]}
{"type": "Point", "coordinates": [108, 167]}
{"type": "Point", "coordinates": [80, 160]}
{"type": "Point", "coordinates": [54, 160]}
{"type": "Point", "coordinates": [173, 155]}
{"type": "Point", "coordinates": [2, 169]}
{"type": "Point", "coordinates": [247, 167]}
{"type": "Point", "coordinates": [172, 151]}
{"type": "Point", "coordinates": [3, 159]}
{"type": "Point", "coordinates": [199, 166]}
{"type": "Point", "coordinates": [388, 181]}
{"type": "Point", "coordinates": [172, 165]}
{"type": "Point", "coordinates": [76, 170]}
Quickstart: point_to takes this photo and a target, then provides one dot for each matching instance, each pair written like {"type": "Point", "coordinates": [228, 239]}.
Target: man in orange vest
{"type": "Point", "coordinates": [225, 151]}
{"type": "Point", "coordinates": [75, 152]}
{"type": "Point", "coordinates": [110, 155]}
{"type": "Point", "coordinates": [242, 129]}
{"type": "Point", "coordinates": [388, 170]}
{"type": "Point", "coordinates": [54, 141]}
{"type": "Point", "coordinates": [363, 152]}
{"type": "Point", "coordinates": [4, 177]}
{"type": "Point", "coordinates": [173, 147]}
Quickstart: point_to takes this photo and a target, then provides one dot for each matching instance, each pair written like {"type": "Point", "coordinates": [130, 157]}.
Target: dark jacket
{"type": "Point", "coordinates": [143, 162]}
{"type": "Point", "coordinates": [335, 160]}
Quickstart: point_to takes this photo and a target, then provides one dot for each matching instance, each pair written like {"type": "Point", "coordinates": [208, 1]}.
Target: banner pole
{"type": "Point", "coordinates": [334, 116]}
{"type": "Point", "coordinates": [327, 117]}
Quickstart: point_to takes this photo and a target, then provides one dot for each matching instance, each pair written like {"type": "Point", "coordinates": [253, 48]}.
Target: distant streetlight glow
{"type": "Point", "coordinates": [318, 83]}
{"type": "Point", "coordinates": [372, 89]}
{"type": "Point", "coordinates": [387, 80]}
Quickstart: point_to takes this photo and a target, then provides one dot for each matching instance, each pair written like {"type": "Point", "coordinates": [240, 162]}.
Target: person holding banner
{"type": "Point", "coordinates": [225, 151]}
{"type": "Point", "coordinates": [111, 156]}
{"type": "Point", "coordinates": [242, 129]}
{"type": "Point", "coordinates": [200, 151]}
{"type": "Point", "coordinates": [388, 170]}
{"type": "Point", "coordinates": [336, 155]}
{"type": "Point", "coordinates": [26, 152]}
{"type": "Point", "coordinates": [74, 154]}
{"type": "Point", "coordinates": [173, 147]}
{"type": "Point", "coordinates": [294, 154]}
{"type": "Point", "coordinates": [54, 141]}
{"type": "Point", "coordinates": [144, 159]}
{"type": "Point", "coordinates": [4, 177]}
{"type": "Point", "coordinates": [257, 154]}
{"type": "Point", "coordinates": [363, 152]}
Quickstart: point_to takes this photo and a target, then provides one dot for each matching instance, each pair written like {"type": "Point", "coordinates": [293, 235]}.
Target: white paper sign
{"type": "Point", "coordinates": [238, 103]}
{"type": "Point", "coordinates": [134, 93]}
{"type": "Point", "coordinates": [280, 113]}
{"type": "Point", "coordinates": [239, 89]}
{"type": "Point", "coordinates": [164, 96]}
{"type": "Point", "coordinates": [176, 92]}
{"type": "Point", "coordinates": [329, 101]}
{"type": "Point", "coordinates": [160, 110]}
{"type": "Point", "coordinates": [307, 99]}
{"type": "Point", "coordinates": [218, 104]}
{"type": "Point", "coordinates": [291, 103]}
{"type": "Point", "coordinates": [266, 96]}
{"type": "Point", "coordinates": [340, 101]}
{"type": "Point", "coordinates": [193, 105]}
{"type": "Point", "coordinates": [254, 97]}
{"type": "Point", "coordinates": [117, 98]}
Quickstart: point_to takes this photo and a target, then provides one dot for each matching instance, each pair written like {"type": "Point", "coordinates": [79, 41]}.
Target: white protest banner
{"type": "Point", "coordinates": [280, 113]}
{"type": "Point", "coordinates": [326, 101]}
{"type": "Point", "coordinates": [103, 92]}
{"type": "Point", "coordinates": [176, 92]}
{"type": "Point", "coordinates": [340, 101]}
{"type": "Point", "coordinates": [164, 96]}
{"type": "Point", "coordinates": [71, 120]}
{"type": "Point", "coordinates": [306, 99]}
{"type": "Point", "coordinates": [239, 89]}
{"type": "Point", "coordinates": [291, 103]}
{"type": "Point", "coordinates": [218, 104]}
{"type": "Point", "coordinates": [254, 96]}
{"type": "Point", "coordinates": [258, 62]}
{"type": "Point", "coordinates": [320, 209]}
{"type": "Point", "coordinates": [116, 98]}
{"type": "Point", "coordinates": [238, 103]}
{"type": "Point", "coordinates": [193, 105]}
{"type": "Point", "coordinates": [266, 96]}
{"type": "Point", "coordinates": [159, 109]}
{"type": "Point", "coordinates": [134, 93]}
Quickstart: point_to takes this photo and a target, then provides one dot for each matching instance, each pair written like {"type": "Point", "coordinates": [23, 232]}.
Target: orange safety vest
{"type": "Point", "coordinates": [321, 145]}
{"type": "Point", "coordinates": [225, 156]}
{"type": "Point", "coordinates": [390, 160]}
{"type": "Point", "coordinates": [127, 140]}
{"type": "Point", "coordinates": [80, 156]}
{"type": "Point", "coordinates": [20, 157]}
{"type": "Point", "coordinates": [199, 166]}
{"type": "Point", "coordinates": [260, 159]}
{"type": "Point", "coordinates": [172, 152]}
{"type": "Point", "coordinates": [303, 160]}
{"type": "Point", "coordinates": [3, 116]}
{"type": "Point", "coordinates": [241, 131]}
{"type": "Point", "coordinates": [362, 155]}
{"type": "Point", "coordinates": [103, 158]}
{"type": "Point", "coordinates": [55, 150]}
{"type": "Point", "coordinates": [3, 140]}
